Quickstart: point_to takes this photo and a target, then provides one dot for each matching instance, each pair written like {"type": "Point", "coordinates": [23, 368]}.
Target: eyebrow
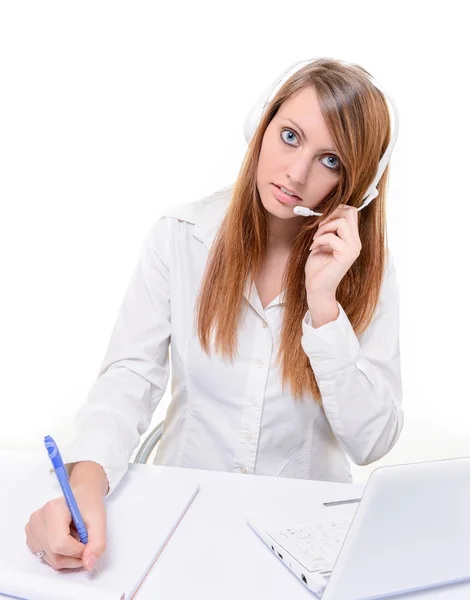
{"type": "Point", "coordinates": [305, 137]}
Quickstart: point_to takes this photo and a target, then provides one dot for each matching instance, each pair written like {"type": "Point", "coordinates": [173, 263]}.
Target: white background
{"type": "Point", "coordinates": [112, 111]}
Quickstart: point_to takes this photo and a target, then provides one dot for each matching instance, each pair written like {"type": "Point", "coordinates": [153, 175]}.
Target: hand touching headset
{"type": "Point", "coordinates": [336, 243]}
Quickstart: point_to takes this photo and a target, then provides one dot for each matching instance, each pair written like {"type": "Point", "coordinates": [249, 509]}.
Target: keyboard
{"type": "Point", "coordinates": [316, 545]}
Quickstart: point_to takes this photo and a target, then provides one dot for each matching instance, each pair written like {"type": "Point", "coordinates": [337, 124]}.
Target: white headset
{"type": "Point", "coordinates": [254, 117]}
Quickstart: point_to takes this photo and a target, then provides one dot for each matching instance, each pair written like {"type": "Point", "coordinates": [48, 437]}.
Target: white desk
{"type": "Point", "coordinates": [214, 553]}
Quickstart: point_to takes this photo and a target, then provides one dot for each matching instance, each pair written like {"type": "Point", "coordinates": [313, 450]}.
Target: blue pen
{"type": "Point", "coordinates": [63, 478]}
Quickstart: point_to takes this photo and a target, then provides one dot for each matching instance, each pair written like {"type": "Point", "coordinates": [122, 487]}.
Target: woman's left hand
{"type": "Point", "coordinates": [336, 245]}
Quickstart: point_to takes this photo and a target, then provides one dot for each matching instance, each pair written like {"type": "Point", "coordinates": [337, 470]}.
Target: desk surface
{"type": "Point", "coordinates": [214, 553]}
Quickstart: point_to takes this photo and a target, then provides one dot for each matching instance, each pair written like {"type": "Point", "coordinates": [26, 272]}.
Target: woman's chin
{"type": "Point", "coordinates": [283, 211]}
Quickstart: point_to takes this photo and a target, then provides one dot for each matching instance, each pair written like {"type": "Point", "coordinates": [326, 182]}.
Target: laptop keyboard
{"type": "Point", "coordinates": [316, 545]}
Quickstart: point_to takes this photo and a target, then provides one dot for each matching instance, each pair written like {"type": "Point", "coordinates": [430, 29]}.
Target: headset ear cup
{"type": "Point", "coordinates": [250, 126]}
{"type": "Point", "coordinates": [254, 116]}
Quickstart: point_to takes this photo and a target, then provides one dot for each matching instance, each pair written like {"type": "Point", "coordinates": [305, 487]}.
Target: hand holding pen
{"type": "Point", "coordinates": [62, 534]}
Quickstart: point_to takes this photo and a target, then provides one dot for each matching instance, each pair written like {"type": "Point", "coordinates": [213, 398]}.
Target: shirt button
{"type": "Point", "coordinates": [254, 401]}
{"type": "Point", "coordinates": [316, 357]}
{"type": "Point", "coordinates": [248, 436]}
{"type": "Point", "coordinates": [264, 325]}
{"type": "Point", "coordinates": [243, 470]}
{"type": "Point", "coordinates": [260, 363]}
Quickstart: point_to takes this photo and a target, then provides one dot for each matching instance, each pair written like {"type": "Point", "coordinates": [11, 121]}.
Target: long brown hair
{"type": "Point", "coordinates": [356, 114]}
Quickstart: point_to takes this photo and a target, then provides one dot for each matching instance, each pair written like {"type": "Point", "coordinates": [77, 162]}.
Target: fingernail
{"type": "Point", "coordinates": [90, 563]}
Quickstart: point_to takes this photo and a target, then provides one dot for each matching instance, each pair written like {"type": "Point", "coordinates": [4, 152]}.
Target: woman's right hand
{"type": "Point", "coordinates": [51, 529]}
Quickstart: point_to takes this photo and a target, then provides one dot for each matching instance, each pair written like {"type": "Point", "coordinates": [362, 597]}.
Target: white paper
{"type": "Point", "coordinates": [141, 515]}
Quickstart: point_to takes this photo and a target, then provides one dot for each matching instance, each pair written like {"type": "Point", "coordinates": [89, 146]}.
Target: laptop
{"type": "Point", "coordinates": [410, 531]}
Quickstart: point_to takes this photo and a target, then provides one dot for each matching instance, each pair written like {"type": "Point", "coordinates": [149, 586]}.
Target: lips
{"type": "Point", "coordinates": [293, 197]}
{"type": "Point", "coordinates": [285, 198]}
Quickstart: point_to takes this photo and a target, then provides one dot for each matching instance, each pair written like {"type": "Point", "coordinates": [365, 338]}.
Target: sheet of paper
{"type": "Point", "coordinates": [141, 514]}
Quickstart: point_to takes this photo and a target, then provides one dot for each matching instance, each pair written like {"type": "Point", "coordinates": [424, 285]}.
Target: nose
{"type": "Point", "coordinates": [299, 169]}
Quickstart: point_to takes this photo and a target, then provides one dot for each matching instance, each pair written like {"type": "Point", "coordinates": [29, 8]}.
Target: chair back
{"type": "Point", "coordinates": [149, 444]}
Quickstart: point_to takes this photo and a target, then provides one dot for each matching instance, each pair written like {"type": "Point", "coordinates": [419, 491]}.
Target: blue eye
{"type": "Point", "coordinates": [333, 164]}
{"type": "Point", "coordinates": [289, 131]}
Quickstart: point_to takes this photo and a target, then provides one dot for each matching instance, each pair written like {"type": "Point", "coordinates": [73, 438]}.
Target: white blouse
{"type": "Point", "coordinates": [235, 417]}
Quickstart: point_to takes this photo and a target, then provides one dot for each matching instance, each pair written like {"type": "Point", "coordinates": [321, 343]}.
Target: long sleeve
{"type": "Point", "coordinates": [360, 376]}
{"type": "Point", "coordinates": [135, 371]}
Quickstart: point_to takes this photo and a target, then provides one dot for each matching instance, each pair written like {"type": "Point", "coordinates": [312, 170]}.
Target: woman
{"type": "Point", "coordinates": [283, 329]}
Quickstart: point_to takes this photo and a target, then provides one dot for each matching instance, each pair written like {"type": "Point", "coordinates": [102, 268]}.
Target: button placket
{"type": "Point", "coordinates": [248, 437]}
